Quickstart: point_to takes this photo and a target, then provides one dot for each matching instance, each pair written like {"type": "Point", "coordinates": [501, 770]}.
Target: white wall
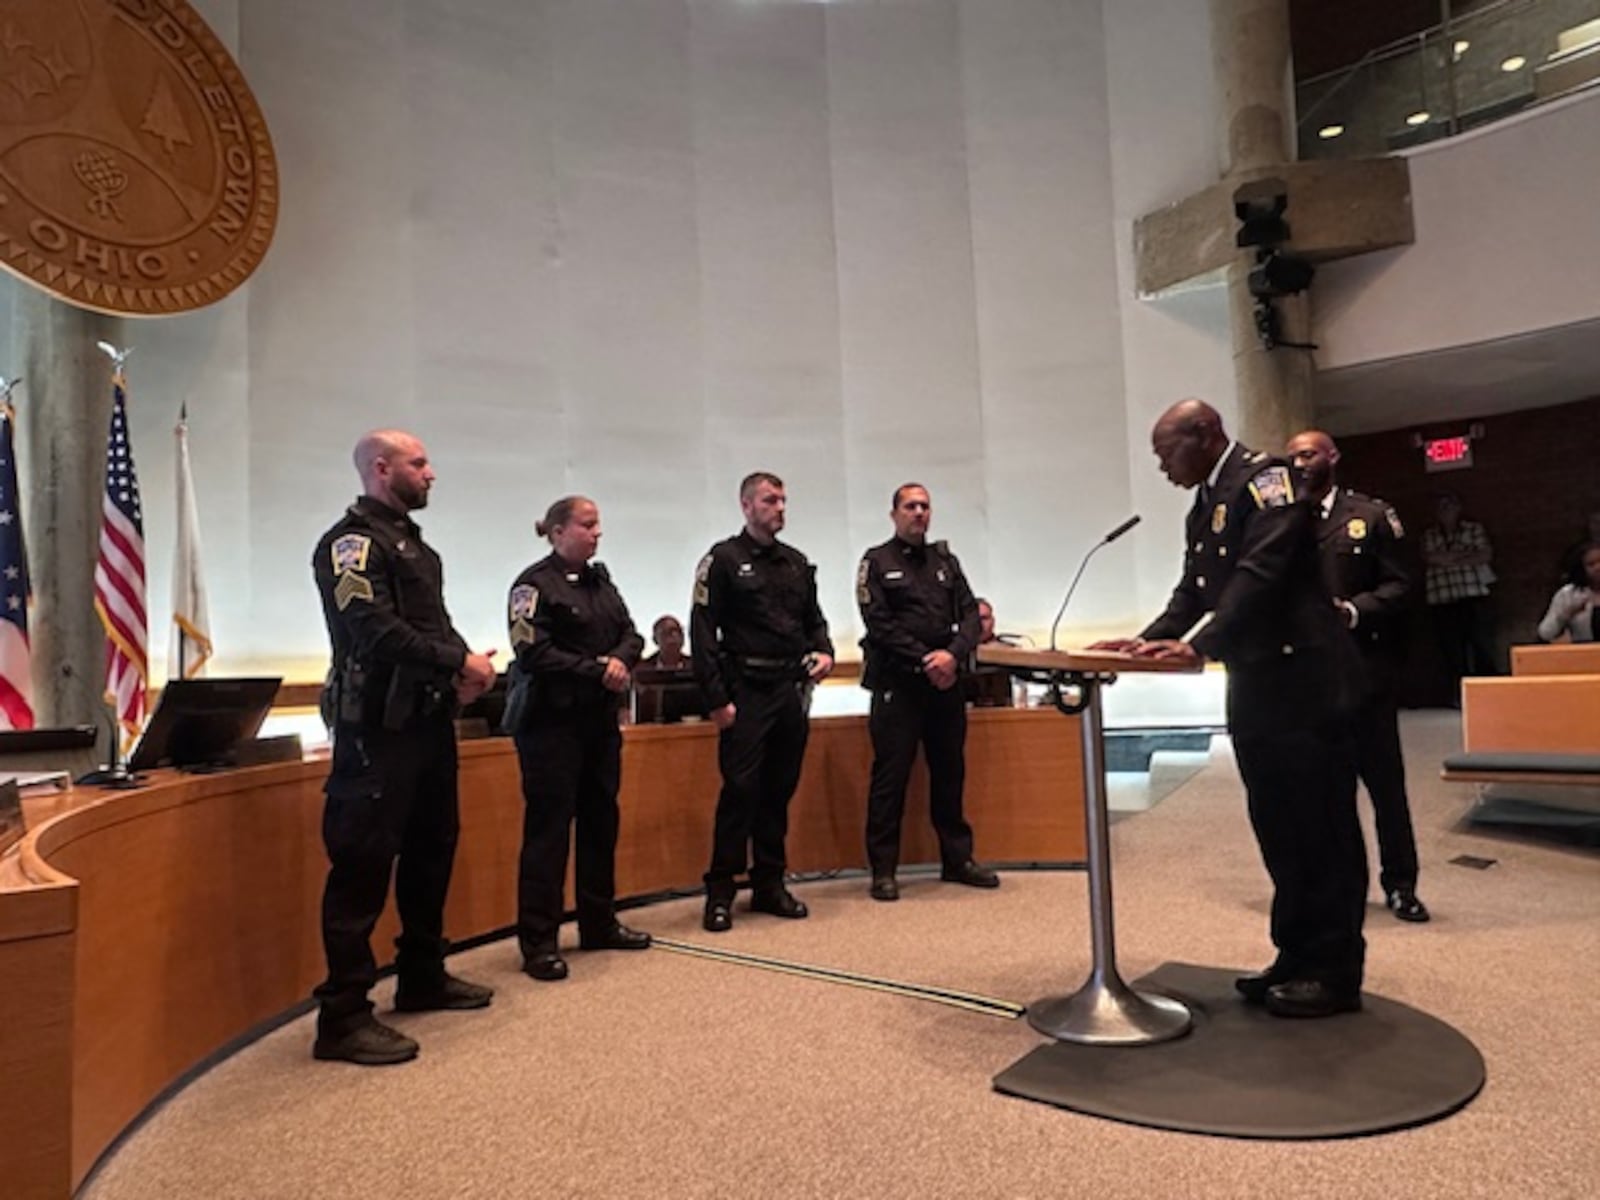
{"type": "Point", "coordinates": [636, 248]}
{"type": "Point", "coordinates": [1507, 242]}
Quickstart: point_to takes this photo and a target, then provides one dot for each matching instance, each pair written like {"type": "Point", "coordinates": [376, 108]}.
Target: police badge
{"type": "Point", "coordinates": [1357, 529]}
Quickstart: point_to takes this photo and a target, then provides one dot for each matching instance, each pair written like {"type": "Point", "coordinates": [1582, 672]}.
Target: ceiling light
{"type": "Point", "coordinates": [1462, 45]}
{"type": "Point", "coordinates": [1515, 63]}
{"type": "Point", "coordinates": [1418, 118]}
{"type": "Point", "coordinates": [1330, 131]}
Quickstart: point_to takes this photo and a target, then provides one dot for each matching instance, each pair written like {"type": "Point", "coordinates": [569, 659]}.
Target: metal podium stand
{"type": "Point", "coordinates": [1105, 1011]}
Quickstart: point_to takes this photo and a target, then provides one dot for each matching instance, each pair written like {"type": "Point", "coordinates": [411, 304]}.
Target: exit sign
{"type": "Point", "coordinates": [1447, 454]}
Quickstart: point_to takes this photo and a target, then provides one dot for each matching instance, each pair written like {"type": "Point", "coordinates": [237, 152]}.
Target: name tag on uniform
{"type": "Point", "coordinates": [894, 574]}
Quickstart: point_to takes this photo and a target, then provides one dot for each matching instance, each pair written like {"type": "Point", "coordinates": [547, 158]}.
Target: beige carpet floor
{"type": "Point", "coordinates": [661, 1075]}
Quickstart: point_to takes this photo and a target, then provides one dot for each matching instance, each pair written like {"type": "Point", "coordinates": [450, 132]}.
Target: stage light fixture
{"type": "Point", "coordinates": [1419, 118]}
{"type": "Point", "coordinates": [1515, 63]}
{"type": "Point", "coordinates": [1330, 131]}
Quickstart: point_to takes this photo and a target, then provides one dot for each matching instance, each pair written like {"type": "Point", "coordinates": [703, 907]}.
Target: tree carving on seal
{"type": "Point", "coordinates": [137, 176]}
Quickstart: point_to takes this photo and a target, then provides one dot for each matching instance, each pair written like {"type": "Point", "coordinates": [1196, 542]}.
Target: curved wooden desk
{"type": "Point", "coordinates": [141, 932]}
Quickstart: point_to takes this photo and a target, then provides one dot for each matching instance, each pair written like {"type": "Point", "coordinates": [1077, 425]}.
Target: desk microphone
{"type": "Point", "coordinates": [1105, 541]}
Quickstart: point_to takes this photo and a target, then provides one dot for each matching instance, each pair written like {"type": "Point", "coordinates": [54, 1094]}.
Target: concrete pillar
{"type": "Point", "coordinates": [1254, 84]}
{"type": "Point", "coordinates": [64, 411]}
{"type": "Point", "coordinates": [1255, 81]}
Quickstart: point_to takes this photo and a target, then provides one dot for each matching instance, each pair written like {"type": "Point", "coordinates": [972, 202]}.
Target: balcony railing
{"type": "Point", "coordinates": [1476, 68]}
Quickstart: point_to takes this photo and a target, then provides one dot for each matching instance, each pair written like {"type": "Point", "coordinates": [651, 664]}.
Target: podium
{"type": "Point", "coordinates": [1105, 1011]}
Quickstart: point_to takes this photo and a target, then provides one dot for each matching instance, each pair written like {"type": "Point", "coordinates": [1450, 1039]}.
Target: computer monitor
{"type": "Point", "coordinates": [201, 722]}
{"type": "Point", "coordinates": [666, 697]}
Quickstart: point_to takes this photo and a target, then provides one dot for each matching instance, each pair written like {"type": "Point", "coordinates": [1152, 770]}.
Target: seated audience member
{"type": "Point", "coordinates": [669, 655]}
{"type": "Point", "coordinates": [1575, 608]}
{"type": "Point", "coordinates": [1572, 556]}
{"type": "Point", "coordinates": [988, 687]}
{"type": "Point", "coordinates": [665, 691]}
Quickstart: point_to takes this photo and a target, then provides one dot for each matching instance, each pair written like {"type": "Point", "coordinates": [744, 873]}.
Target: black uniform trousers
{"type": "Point", "coordinates": [571, 763]}
{"type": "Point", "coordinates": [913, 711]}
{"type": "Point", "coordinates": [389, 795]}
{"type": "Point", "coordinates": [1381, 766]}
{"type": "Point", "coordinates": [760, 755]}
{"type": "Point", "coordinates": [1290, 724]}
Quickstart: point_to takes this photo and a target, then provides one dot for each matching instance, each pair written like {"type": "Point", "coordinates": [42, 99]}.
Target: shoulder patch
{"type": "Point", "coordinates": [702, 575]}
{"type": "Point", "coordinates": [862, 595]}
{"type": "Point", "coordinates": [1393, 518]}
{"type": "Point", "coordinates": [1272, 488]}
{"type": "Point", "coordinates": [350, 553]}
{"type": "Point", "coordinates": [524, 600]}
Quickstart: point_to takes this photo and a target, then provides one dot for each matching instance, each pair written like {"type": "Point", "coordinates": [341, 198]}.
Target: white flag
{"type": "Point", "coordinates": [191, 620]}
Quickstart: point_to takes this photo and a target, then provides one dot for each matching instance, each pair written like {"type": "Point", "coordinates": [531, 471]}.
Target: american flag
{"type": "Point", "coordinates": [16, 671]}
{"type": "Point", "coordinates": [119, 574]}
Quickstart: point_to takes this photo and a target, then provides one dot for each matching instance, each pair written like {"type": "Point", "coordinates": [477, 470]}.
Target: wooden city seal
{"type": "Point", "coordinates": [136, 173]}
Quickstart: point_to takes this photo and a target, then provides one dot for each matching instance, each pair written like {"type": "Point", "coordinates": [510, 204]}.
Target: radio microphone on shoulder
{"type": "Point", "coordinates": [1105, 541]}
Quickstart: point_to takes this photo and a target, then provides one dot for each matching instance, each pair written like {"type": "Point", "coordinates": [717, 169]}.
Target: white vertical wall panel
{"type": "Point", "coordinates": [630, 282]}
{"type": "Point", "coordinates": [330, 309]}
{"type": "Point", "coordinates": [1038, 134]}
{"type": "Point", "coordinates": [484, 286]}
{"type": "Point", "coordinates": [1163, 147]}
{"type": "Point", "coordinates": [908, 317]}
{"type": "Point", "coordinates": [769, 286]}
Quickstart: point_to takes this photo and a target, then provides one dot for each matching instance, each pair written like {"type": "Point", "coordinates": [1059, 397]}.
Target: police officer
{"type": "Point", "coordinates": [1250, 564]}
{"type": "Point", "coordinates": [399, 671]}
{"type": "Point", "coordinates": [922, 624]}
{"type": "Point", "coordinates": [760, 643]}
{"type": "Point", "coordinates": [1360, 541]}
{"type": "Point", "coordinates": [576, 647]}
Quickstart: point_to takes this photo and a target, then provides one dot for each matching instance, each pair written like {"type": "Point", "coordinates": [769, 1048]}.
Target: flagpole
{"type": "Point", "coordinates": [115, 774]}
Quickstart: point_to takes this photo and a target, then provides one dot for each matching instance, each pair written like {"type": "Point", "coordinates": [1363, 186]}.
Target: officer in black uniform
{"type": "Point", "coordinates": [1364, 564]}
{"type": "Point", "coordinates": [576, 648]}
{"type": "Point", "coordinates": [399, 671]}
{"type": "Point", "coordinates": [1250, 565]}
{"type": "Point", "coordinates": [922, 626]}
{"type": "Point", "coordinates": [760, 643]}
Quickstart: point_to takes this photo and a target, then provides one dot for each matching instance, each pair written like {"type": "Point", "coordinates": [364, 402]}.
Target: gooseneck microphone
{"type": "Point", "coordinates": [1105, 541]}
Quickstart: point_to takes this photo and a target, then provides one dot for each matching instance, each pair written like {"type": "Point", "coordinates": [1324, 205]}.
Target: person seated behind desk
{"type": "Point", "coordinates": [669, 655]}
{"type": "Point", "coordinates": [1575, 608]}
{"type": "Point", "coordinates": [989, 687]}
{"type": "Point", "coordinates": [664, 688]}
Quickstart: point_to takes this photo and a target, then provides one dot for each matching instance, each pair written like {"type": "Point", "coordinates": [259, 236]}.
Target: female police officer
{"type": "Point", "coordinates": [576, 645]}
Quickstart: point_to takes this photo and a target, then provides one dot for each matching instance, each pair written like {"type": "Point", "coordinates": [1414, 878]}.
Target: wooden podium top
{"type": "Point", "coordinates": [1081, 662]}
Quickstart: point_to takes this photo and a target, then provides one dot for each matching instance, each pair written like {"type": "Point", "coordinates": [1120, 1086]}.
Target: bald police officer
{"type": "Point", "coordinates": [922, 626]}
{"type": "Point", "coordinates": [1251, 575]}
{"type": "Point", "coordinates": [399, 671]}
{"type": "Point", "coordinates": [760, 643]}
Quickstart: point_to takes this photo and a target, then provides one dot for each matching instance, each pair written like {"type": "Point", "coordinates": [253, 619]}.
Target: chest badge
{"type": "Point", "coordinates": [747, 568]}
{"type": "Point", "coordinates": [941, 576]}
{"type": "Point", "coordinates": [1357, 529]}
{"type": "Point", "coordinates": [1219, 518]}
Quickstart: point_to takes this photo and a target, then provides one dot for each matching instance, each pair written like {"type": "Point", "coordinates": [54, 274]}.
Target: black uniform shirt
{"type": "Point", "coordinates": [753, 601]}
{"type": "Point", "coordinates": [914, 599]}
{"type": "Point", "coordinates": [1364, 562]}
{"type": "Point", "coordinates": [1250, 560]}
{"type": "Point", "coordinates": [564, 620]}
{"type": "Point", "coordinates": [382, 594]}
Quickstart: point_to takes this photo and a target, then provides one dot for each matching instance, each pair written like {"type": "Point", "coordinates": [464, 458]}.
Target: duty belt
{"type": "Point", "coordinates": [768, 664]}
